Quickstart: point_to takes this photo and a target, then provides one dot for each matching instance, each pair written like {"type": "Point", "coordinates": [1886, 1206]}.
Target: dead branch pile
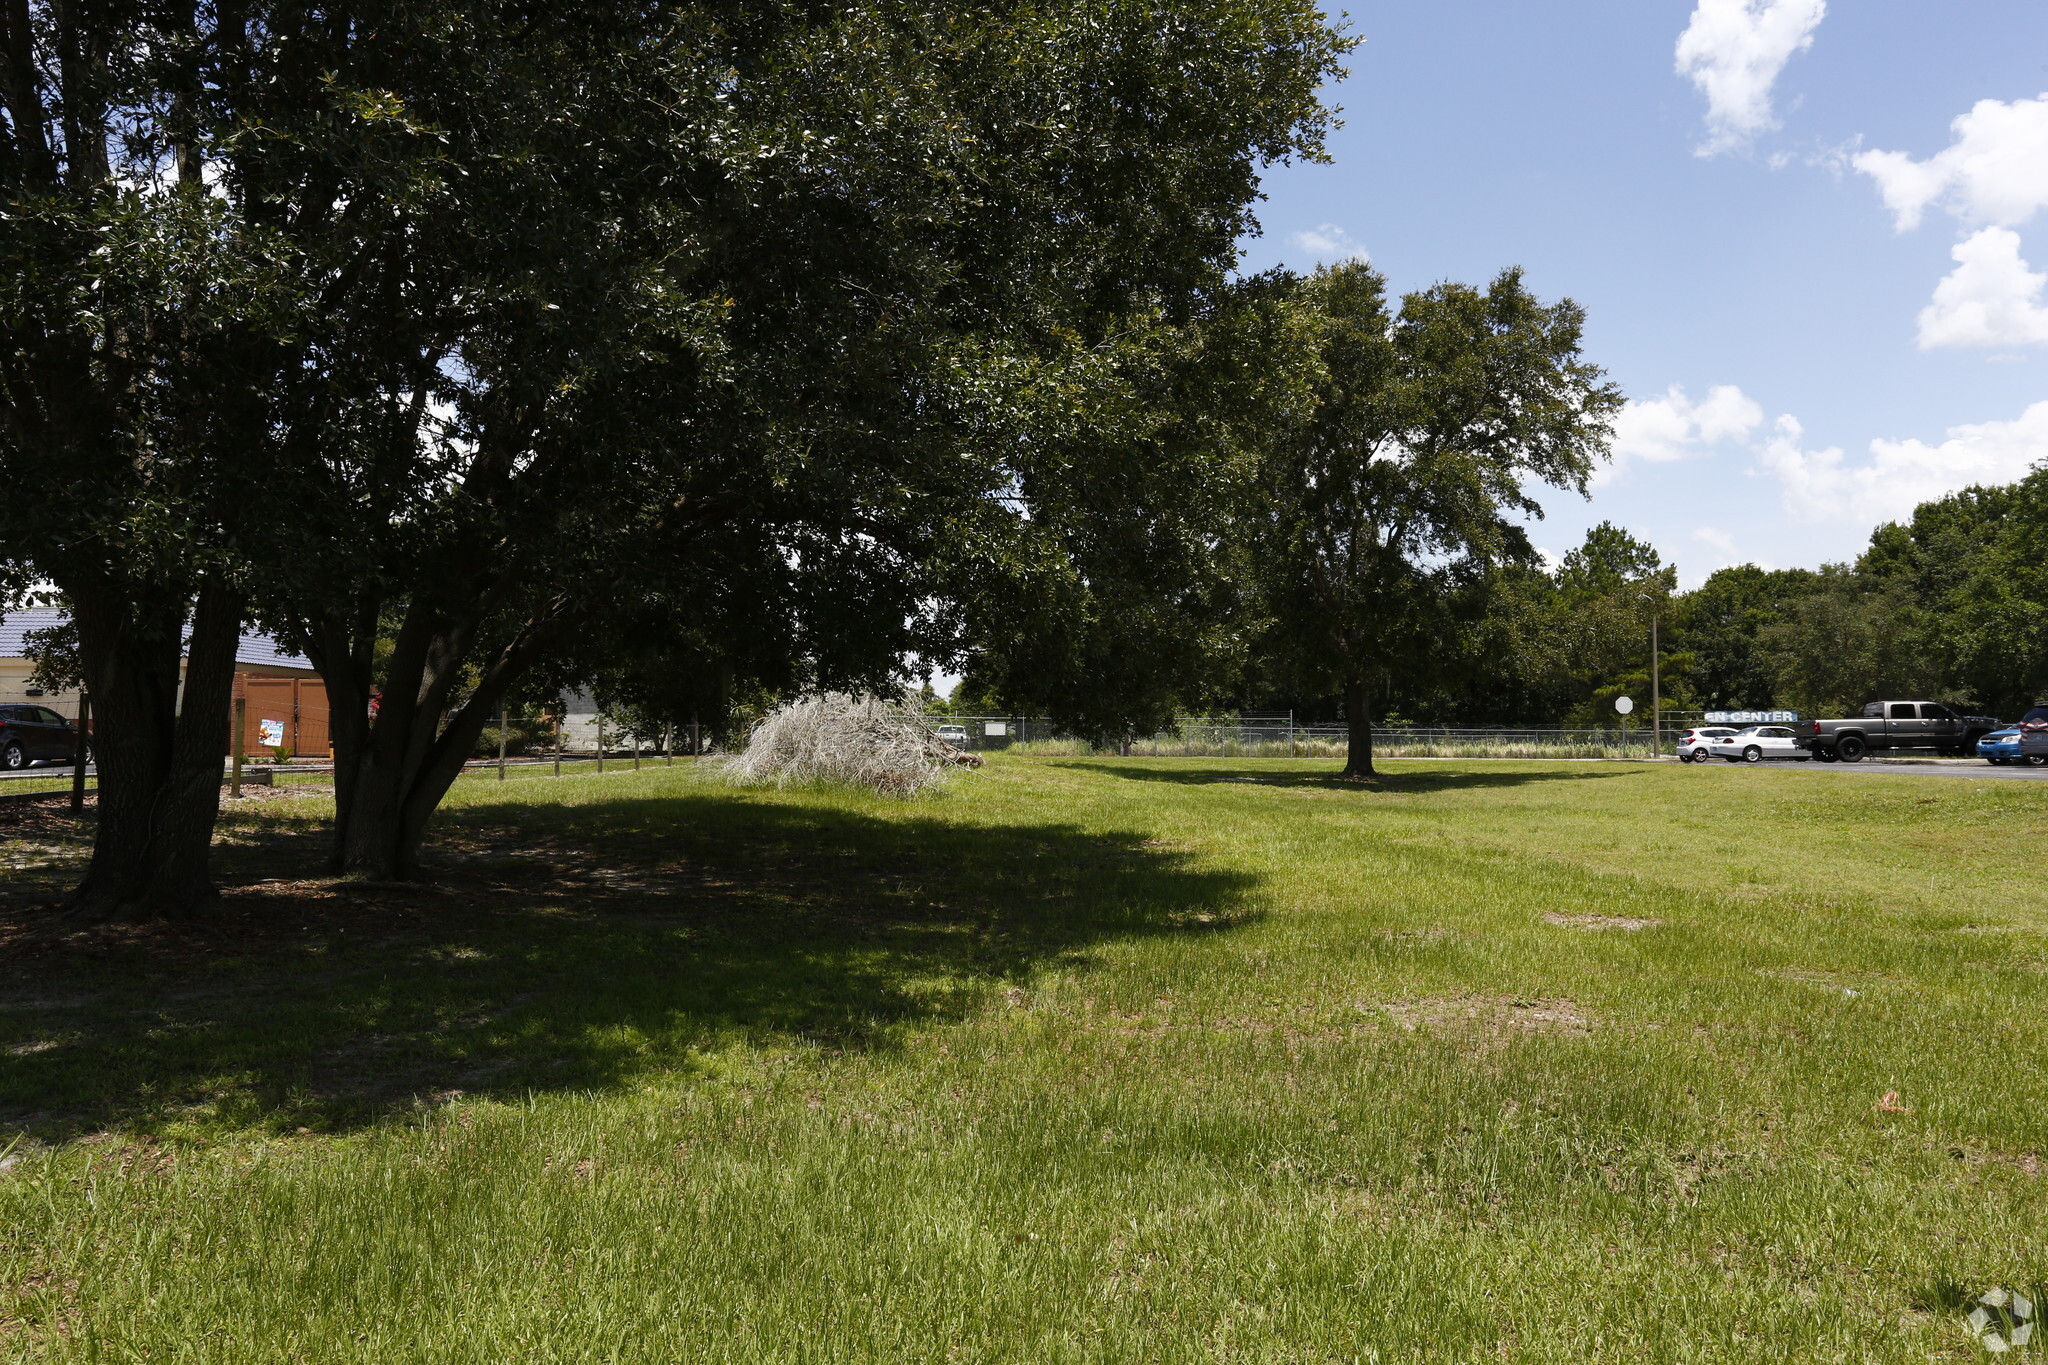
{"type": "Point", "coordinates": [885, 746]}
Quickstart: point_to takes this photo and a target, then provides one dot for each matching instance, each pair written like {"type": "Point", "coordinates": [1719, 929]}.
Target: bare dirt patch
{"type": "Point", "coordinates": [1495, 1017]}
{"type": "Point", "coordinates": [1625, 923]}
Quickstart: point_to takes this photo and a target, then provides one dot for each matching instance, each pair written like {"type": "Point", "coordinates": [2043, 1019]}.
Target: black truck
{"type": "Point", "coordinates": [1886, 725]}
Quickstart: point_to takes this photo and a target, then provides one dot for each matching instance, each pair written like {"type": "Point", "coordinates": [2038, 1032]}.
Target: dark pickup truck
{"type": "Point", "coordinates": [1896, 725]}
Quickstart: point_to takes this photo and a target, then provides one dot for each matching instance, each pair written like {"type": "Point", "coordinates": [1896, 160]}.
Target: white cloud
{"type": "Point", "coordinates": [1820, 485]}
{"type": "Point", "coordinates": [1996, 170]}
{"type": "Point", "coordinates": [1734, 50]}
{"type": "Point", "coordinates": [1719, 539]}
{"type": "Point", "coordinates": [1989, 299]}
{"type": "Point", "coordinates": [1330, 244]}
{"type": "Point", "coordinates": [1673, 427]}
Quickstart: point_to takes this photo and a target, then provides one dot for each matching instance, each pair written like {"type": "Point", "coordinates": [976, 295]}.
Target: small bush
{"type": "Point", "coordinates": [885, 746]}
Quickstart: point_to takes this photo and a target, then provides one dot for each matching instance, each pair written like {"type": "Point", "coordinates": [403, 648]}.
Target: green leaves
{"type": "Point", "coordinates": [1398, 498]}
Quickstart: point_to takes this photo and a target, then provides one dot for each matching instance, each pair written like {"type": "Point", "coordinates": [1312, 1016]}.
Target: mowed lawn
{"type": "Point", "coordinates": [1078, 1060]}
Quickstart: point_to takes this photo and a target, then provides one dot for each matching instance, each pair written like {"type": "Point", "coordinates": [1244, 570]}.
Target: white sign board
{"type": "Point", "coordinates": [1751, 717]}
{"type": "Point", "coordinates": [996, 727]}
{"type": "Point", "coordinates": [1624, 704]}
{"type": "Point", "coordinates": [270, 734]}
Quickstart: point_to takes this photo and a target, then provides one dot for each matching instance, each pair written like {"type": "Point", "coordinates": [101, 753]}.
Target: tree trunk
{"type": "Point", "coordinates": [392, 771]}
{"type": "Point", "coordinates": [399, 768]}
{"type": "Point", "coordinates": [159, 761]}
{"type": "Point", "coordinates": [1358, 720]}
{"type": "Point", "coordinates": [392, 768]}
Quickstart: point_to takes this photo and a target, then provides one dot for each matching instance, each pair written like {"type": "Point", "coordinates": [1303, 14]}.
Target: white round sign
{"type": "Point", "coordinates": [1624, 705]}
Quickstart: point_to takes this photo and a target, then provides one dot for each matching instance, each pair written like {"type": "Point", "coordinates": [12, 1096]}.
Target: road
{"type": "Point", "coordinates": [1930, 767]}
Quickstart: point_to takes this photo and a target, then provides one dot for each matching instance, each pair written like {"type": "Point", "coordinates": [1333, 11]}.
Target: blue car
{"type": "Point", "coordinates": [2000, 746]}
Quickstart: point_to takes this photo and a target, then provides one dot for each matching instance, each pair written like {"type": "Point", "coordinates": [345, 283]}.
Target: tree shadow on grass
{"type": "Point", "coordinates": [1194, 772]}
{"type": "Point", "coordinates": [567, 948]}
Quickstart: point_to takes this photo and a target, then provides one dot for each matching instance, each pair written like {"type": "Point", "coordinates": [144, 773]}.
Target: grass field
{"type": "Point", "coordinates": [1079, 1060]}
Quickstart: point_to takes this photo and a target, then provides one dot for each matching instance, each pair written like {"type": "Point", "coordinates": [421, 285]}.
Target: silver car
{"type": "Point", "coordinates": [1758, 743]}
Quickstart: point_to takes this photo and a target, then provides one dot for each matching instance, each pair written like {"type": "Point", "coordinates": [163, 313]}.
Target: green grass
{"type": "Point", "coordinates": [1079, 1060]}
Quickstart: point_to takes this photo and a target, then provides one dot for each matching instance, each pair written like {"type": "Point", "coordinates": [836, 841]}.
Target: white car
{"type": "Point", "coordinates": [955, 735]}
{"type": "Point", "coordinates": [1696, 745]}
{"type": "Point", "coordinates": [1756, 744]}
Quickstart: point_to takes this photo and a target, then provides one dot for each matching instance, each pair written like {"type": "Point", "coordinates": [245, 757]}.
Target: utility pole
{"type": "Point", "coordinates": [558, 741]}
{"type": "Point", "coordinates": [1656, 696]}
{"type": "Point", "coordinates": [600, 741]}
{"type": "Point", "coordinates": [501, 741]}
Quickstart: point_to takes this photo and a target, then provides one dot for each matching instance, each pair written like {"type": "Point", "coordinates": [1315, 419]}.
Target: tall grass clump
{"type": "Point", "coordinates": [855, 741]}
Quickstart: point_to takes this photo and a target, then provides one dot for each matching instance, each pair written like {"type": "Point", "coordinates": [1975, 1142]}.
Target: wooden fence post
{"type": "Point", "coordinates": [241, 727]}
{"type": "Point", "coordinates": [501, 742]}
{"type": "Point", "coordinates": [81, 751]}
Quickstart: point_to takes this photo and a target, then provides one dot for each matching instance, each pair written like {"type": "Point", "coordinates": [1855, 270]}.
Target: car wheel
{"type": "Point", "coordinates": [2037, 760]}
{"type": "Point", "coordinates": [1849, 749]}
{"type": "Point", "coordinates": [1752, 755]}
{"type": "Point", "coordinates": [12, 758]}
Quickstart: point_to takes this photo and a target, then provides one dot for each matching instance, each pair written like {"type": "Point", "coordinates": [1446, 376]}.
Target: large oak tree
{"type": "Point", "coordinates": [1384, 514]}
{"type": "Point", "coordinates": [550, 312]}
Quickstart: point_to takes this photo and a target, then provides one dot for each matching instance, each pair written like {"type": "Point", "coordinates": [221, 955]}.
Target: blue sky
{"type": "Point", "coordinates": [1811, 238]}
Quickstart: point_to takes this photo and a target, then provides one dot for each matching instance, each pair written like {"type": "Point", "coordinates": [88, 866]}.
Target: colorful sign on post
{"type": "Point", "coordinates": [270, 734]}
{"type": "Point", "coordinates": [1751, 717]}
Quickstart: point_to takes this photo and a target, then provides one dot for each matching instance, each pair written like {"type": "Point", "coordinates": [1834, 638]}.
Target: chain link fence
{"type": "Point", "coordinates": [282, 725]}
{"type": "Point", "coordinates": [279, 734]}
{"type": "Point", "coordinates": [1280, 736]}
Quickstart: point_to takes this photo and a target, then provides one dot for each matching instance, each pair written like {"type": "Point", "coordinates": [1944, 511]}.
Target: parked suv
{"type": "Point", "coordinates": [2034, 736]}
{"type": "Point", "coordinates": [1897, 725]}
{"type": "Point", "coordinates": [33, 734]}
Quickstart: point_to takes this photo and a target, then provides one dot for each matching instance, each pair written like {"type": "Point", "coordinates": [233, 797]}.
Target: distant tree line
{"type": "Point", "coordinates": [1951, 606]}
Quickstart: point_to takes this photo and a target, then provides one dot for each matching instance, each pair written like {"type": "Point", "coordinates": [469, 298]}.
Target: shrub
{"type": "Point", "coordinates": [885, 746]}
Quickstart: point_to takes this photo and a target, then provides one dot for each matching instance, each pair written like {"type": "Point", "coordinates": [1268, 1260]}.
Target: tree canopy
{"type": "Point", "coordinates": [462, 337]}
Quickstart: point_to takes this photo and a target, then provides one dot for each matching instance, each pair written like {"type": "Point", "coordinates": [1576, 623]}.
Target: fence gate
{"type": "Point", "coordinates": [283, 713]}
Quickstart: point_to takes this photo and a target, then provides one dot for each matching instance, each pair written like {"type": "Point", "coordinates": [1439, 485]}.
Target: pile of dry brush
{"type": "Point", "coordinates": [885, 746]}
